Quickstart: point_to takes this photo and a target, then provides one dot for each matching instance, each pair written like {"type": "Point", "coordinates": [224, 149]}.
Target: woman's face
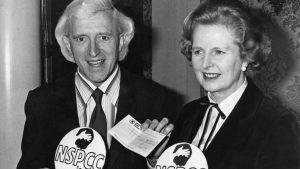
{"type": "Point", "coordinates": [216, 60]}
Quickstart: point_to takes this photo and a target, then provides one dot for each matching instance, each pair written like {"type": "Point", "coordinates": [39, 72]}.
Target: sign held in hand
{"type": "Point", "coordinates": [182, 156]}
{"type": "Point", "coordinates": [79, 149]}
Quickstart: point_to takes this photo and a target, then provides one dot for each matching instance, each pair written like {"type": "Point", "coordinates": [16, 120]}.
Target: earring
{"type": "Point", "coordinates": [243, 68]}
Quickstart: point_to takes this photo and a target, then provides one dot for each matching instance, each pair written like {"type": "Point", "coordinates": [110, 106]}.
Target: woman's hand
{"type": "Point", "coordinates": [163, 127]}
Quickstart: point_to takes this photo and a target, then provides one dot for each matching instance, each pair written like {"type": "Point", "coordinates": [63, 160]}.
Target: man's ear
{"type": "Point", "coordinates": [124, 40]}
{"type": "Point", "coordinates": [122, 47]}
{"type": "Point", "coordinates": [68, 52]}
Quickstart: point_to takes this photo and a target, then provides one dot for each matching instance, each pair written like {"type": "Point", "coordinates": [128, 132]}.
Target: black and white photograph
{"type": "Point", "coordinates": [150, 84]}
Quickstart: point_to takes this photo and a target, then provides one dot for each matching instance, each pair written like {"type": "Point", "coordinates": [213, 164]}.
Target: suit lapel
{"type": "Point", "coordinates": [70, 101]}
{"type": "Point", "coordinates": [65, 107]}
{"type": "Point", "coordinates": [126, 102]}
{"type": "Point", "coordinates": [189, 122]}
{"type": "Point", "coordinates": [126, 105]}
{"type": "Point", "coordinates": [197, 120]}
{"type": "Point", "coordinates": [232, 134]}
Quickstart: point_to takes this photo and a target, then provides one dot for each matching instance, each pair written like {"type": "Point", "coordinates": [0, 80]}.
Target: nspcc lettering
{"type": "Point", "coordinates": [74, 156]}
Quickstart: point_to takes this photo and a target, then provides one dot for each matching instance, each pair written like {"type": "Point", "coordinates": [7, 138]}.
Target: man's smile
{"type": "Point", "coordinates": [96, 63]}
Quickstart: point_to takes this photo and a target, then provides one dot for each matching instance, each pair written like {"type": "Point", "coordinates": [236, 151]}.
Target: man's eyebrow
{"type": "Point", "coordinates": [77, 35]}
{"type": "Point", "coordinates": [105, 33]}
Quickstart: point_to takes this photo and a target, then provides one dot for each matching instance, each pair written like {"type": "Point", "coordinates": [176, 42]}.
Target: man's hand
{"type": "Point", "coordinates": [163, 127]}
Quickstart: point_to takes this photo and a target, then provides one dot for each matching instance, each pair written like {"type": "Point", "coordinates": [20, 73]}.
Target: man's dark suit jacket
{"type": "Point", "coordinates": [257, 134]}
{"type": "Point", "coordinates": [51, 112]}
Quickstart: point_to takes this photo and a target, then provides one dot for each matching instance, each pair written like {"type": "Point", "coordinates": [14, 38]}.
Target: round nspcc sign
{"type": "Point", "coordinates": [81, 148]}
{"type": "Point", "coordinates": [182, 156]}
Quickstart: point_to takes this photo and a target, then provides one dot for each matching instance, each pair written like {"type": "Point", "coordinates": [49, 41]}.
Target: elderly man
{"type": "Point", "coordinates": [95, 36]}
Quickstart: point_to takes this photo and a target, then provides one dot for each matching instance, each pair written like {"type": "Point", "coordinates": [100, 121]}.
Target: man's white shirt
{"type": "Point", "coordinates": [86, 104]}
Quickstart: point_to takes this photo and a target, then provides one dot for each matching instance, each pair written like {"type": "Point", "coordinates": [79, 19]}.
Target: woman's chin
{"type": "Point", "coordinates": [210, 87]}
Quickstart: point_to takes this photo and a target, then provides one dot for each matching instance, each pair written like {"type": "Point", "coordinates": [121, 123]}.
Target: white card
{"type": "Point", "coordinates": [128, 132]}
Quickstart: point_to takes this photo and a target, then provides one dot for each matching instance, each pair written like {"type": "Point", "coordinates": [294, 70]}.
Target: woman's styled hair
{"type": "Point", "coordinates": [87, 8]}
{"type": "Point", "coordinates": [251, 36]}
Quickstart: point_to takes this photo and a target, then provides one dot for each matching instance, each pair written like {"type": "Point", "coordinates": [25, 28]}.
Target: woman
{"type": "Point", "coordinates": [235, 126]}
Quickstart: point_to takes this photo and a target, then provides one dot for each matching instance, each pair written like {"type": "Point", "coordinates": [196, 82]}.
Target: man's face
{"type": "Point", "coordinates": [94, 43]}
